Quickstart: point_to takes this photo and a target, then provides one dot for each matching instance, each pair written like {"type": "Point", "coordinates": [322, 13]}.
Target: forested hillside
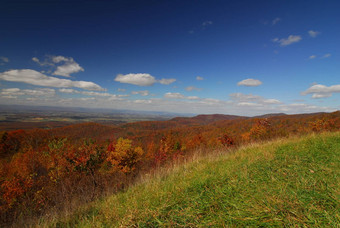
{"type": "Point", "coordinates": [43, 170]}
{"type": "Point", "coordinates": [283, 183]}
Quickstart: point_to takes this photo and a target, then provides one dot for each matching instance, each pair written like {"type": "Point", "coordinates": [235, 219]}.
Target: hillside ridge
{"type": "Point", "coordinates": [285, 182]}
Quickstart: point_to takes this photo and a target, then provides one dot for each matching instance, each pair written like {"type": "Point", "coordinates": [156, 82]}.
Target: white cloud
{"type": "Point", "coordinates": [142, 92]}
{"type": "Point", "coordinates": [36, 78]}
{"type": "Point", "coordinates": [250, 105]}
{"type": "Point", "coordinates": [121, 90]}
{"type": "Point", "coordinates": [320, 95]}
{"type": "Point", "coordinates": [199, 78]}
{"type": "Point", "coordinates": [69, 66]}
{"type": "Point", "coordinates": [303, 108]}
{"type": "Point", "coordinates": [35, 59]}
{"type": "Point", "coordinates": [123, 95]}
{"type": "Point", "coordinates": [287, 41]}
{"type": "Point", "coordinates": [276, 20]}
{"type": "Point", "coordinates": [326, 56]}
{"type": "Point", "coordinates": [313, 33]}
{"type": "Point", "coordinates": [272, 101]}
{"type": "Point", "coordinates": [14, 92]}
{"type": "Point", "coordinates": [8, 97]}
{"type": "Point", "coordinates": [312, 57]}
{"type": "Point", "coordinates": [143, 101]}
{"type": "Point", "coordinates": [39, 92]}
{"type": "Point", "coordinates": [165, 81]}
{"type": "Point", "coordinates": [181, 96]}
{"type": "Point", "coordinates": [244, 97]}
{"type": "Point", "coordinates": [3, 60]}
{"type": "Point", "coordinates": [247, 104]}
{"type": "Point", "coordinates": [47, 61]}
{"type": "Point", "coordinates": [193, 98]}
{"type": "Point", "coordinates": [58, 59]}
{"type": "Point", "coordinates": [10, 91]}
{"type": "Point", "coordinates": [192, 88]}
{"type": "Point", "coordinates": [87, 98]}
{"type": "Point", "coordinates": [90, 93]}
{"type": "Point", "coordinates": [142, 79]}
{"type": "Point", "coordinates": [249, 99]}
{"type": "Point", "coordinates": [174, 95]}
{"type": "Point", "coordinates": [249, 82]}
{"type": "Point", "coordinates": [63, 90]}
{"type": "Point", "coordinates": [139, 79]}
{"type": "Point", "coordinates": [206, 23]}
{"type": "Point", "coordinates": [322, 91]}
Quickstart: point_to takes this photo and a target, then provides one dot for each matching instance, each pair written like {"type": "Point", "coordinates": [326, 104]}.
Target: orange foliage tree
{"type": "Point", "coordinates": [123, 156]}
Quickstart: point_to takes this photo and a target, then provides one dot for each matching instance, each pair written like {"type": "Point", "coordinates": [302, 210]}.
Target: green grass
{"type": "Point", "coordinates": [287, 182]}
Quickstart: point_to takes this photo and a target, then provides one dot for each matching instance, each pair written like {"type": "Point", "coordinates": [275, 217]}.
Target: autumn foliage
{"type": "Point", "coordinates": [123, 157]}
{"type": "Point", "coordinates": [41, 170]}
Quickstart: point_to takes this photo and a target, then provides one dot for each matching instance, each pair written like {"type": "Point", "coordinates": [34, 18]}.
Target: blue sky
{"type": "Point", "coordinates": [231, 57]}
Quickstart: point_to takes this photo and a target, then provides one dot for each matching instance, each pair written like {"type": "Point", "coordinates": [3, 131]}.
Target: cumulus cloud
{"type": "Point", "coordinates": [199, 78]}
{"type": "Point", "coordinates": [58, 59]}
{"type": "Point", "coordinates": [3, 60]}
{"type": "Point", "coordinates": [313, 33]}
{"type": "Point", "coordinates": [87, 98]}
{"type": "Point", "coordinates": [192, 88]}
{"type": "Point", "coordinates": [312, 57]}
{"type": "Point", "coordinates": [88, 93]}
{"type": "Point", "coordinates": [276, 20]}
{"type": "Point", "coordinates": [143, 101]}
{"type": "Point", "coordinates": [249, 104]}
{"type": "Point", "coordinates": [272, 101]}
{"type": "Point", "coordinates": [244, 97]}
{"type": "Point", "coordinates": [206, 23]}
{"type": "Point", "coordinates": [322, 91]}
{"type": "Point", "coordinates": [136, 79]}
{"type": "Point", "coordinates": [69, 66]}
{"type": "Point", "coordinates": [181, 96]}
{"type": "Point", "coordinates": [91, 93]}
{"type": "Point", "coordinates": [142, 79]}
{"type": "Point", "coordinates": [142, 92]}
{"type": "Point", "coordinates": [174, 95]}
{"type": "Point", "coordinates": [36, 78]}
{"type": "Point", "coordinates": [249, 99]}
{"type": "Point", "coordinates": [287, 41]}
{"type": "Point", "coordinates": [35, 59]}
{"type": "Point", "coordinates": [10, 91]}
{"type": "Point", "coordinates": [165, 81]}
{"type": "Point", "coordinates": [326, 56]}
{"type": "Point", "coordinates": [15, 92]}
{"type": "Point", "coordinates": [304, 108]}
{"type": "Point", "coordinates": [45, 63]}
{"type": "Point", "coordinates": [193, 98]}
{"type": "Point", "coordinates": [249, 82]}
{"type": "Point", "coordinates": [63, 90]}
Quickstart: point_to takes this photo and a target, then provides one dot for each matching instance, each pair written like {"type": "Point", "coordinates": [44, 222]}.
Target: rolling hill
{"type": "Point", "coordinates": [286, 182]}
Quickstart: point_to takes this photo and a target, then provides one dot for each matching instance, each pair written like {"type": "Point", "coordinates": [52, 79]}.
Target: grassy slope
{"type": "Point", "coordinates": [292, 182]}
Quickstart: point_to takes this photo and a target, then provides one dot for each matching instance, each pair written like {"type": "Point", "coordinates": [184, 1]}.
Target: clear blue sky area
{"type": "Point", "coordinates": [232, 57]}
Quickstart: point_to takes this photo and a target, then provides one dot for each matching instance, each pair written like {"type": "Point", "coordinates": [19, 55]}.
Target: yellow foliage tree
{"type": "Point", "coordinates": [124, 157]}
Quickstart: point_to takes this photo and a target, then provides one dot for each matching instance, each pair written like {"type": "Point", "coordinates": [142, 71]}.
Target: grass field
{"type": "Point", "coordinates": [287, 182]}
